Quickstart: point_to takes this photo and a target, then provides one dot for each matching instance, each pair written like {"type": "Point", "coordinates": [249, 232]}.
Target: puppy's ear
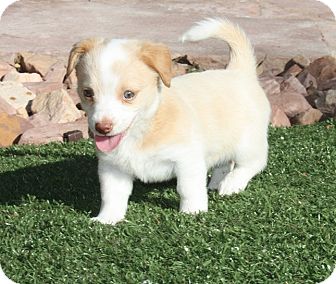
{"type": "Point", "coordinates": [157, 57]}
{"type": "Point", "coordinates": [78, 50]}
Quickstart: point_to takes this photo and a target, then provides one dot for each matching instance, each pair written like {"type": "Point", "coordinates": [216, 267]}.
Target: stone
{"type": "Point", "coordinates": [293, 84]}
{"type": "Point", "coordinates": [58, 105]}
{"type": "Point", "coordinates": [325, 102]}
{"type": "Point", "coordinates": [293, 103]}
{"type": "Point", "coordinates": [56, 72]}
{"type": "Point", "coordinates": [53, 132]}
{"type": "Point", "coordinates": [6, 107]}
{"type": "Point", "coordinates": [323, 69]}
{"type": "Point", "coordinates": [75, 97]}
{"type": "Point", "coordinates": [207, 62]}
{"type": "Point", "coordinates": [39, 119]}
{"type": "Point", "coordinates": [308, 117]}
{"type": "Point", "coordinates": [326, 85]}
{"type": "Point", "coordinates": [11, 127]}
{"type": "Point", "coordinates": [43, 87]}
{"type": "Point", "coordinates": [298, 60]}
{"type": "Point", "coordinates": [307, 79]}
{"type": "Point", "coordinates": [35, 63]}
{"type": "Point", "coordinates": [22, 77]}
{"type": "Point", "coordinates": [71, 81]}
{"type": "Point", "coordinates": [179, 69]}
{"type": "Point", "coordinates": [330, 98]}
{"type": "Point", "coordinates": [270, 85]}
{"type": "Point", "coordinates": [294, 70]}
{"type": "Point", "coordinates": [5, 68]}
{"type": "Point", "coordinates": [279, 118]}
{"type": "Point", "coordinates": [15, 94]}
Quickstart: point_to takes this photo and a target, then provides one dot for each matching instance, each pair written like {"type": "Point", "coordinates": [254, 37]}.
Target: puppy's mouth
{"type": "Point", "coordinates": [108, 143]}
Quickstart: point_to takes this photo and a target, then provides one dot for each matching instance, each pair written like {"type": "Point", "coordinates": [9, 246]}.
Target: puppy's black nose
{"type": "Point", "coordinates": [104, 126]}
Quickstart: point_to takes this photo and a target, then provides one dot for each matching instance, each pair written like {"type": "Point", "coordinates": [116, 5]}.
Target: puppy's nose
{"type": "Point", "coordinates": [104, 126]}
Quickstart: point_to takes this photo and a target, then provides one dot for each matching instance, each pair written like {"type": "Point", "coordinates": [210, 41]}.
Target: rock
{"type": "Point", "coordinates": [330, 98]}
{"type": "Point", "coordinates": [325, 102]}
{"type": "Point", "coordinates": [15, 94]}
{"type": "Point", "coordinates": [53, 132]}
{"type": "Point", "coordinates": [307, 79]}
{"type": "Point", "coordinates": [35, 63]}
{"type": "Point", "coordinates": [11, 127]}
{"type": "Point", "coordinates": [75, 97]}
{"type": "Point", "coordinates": [6, 107]}
{"type": "Point", "coordinates": [329, 84]}
{"type": "Point", "coordinates": [299, 60]}
{"type": "Point", "coordinates": [179, 69]}
{"type": "Point", "coordinates": [56, 72]}
{"type": "Point", "coordinates": [291, 83]}
{"type": "Point", "coordinates": [22, 77]}
{"type": "Point", "coordinates": [270, 85]}
{"type": "Point", "coordinates": [43, 87]}
{"type": "Point", "coordinates": [293, 103]}
{"type": "Point", "coordinates": [279, 118]}
{"type": "Point", "coordinates": [5, 68]}
{"type": "Point", "coordinates": [207, 62]}
{"type": "Point", "coordinates": [294, 70]}
{"type": "Point", "coordinates": [39, 119]}
{"type": "Point", "coordinates": [323, 69]}
{"type": "Point", "coordinates": [58, 105]}
{"type": "Point", "coordinates": [308, 117]}
{"type": "Point", "coordinates": [71, 81]}
{"type": "Point", "coordinates": [218, 174]}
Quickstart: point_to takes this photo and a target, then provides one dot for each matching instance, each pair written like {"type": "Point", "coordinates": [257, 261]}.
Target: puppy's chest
{"type": "Point", "coordinates": [148, 167]}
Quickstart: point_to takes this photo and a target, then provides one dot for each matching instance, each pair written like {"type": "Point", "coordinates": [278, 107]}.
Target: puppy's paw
{"type": "Point", "coordinates": [106, 220]}
{"type": "Point", "coordinates": [232, 183]}
{"type": "Point", "coordinates": [194, 206]}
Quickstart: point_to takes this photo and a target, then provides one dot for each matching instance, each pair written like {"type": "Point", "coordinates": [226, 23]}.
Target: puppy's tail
{"type": "Point", "coordinates": [241, 51]}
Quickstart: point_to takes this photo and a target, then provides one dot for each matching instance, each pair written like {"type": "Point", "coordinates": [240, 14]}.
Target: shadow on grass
{"type": "Point", "coordinates": [73, 182]}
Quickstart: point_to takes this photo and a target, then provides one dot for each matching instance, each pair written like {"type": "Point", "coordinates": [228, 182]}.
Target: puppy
{"type": "Point", "coordinates": [152, 127]}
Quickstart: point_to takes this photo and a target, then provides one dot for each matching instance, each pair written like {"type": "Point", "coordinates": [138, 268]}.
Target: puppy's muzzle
{"type": "Point", "coordinates": [104, 127]}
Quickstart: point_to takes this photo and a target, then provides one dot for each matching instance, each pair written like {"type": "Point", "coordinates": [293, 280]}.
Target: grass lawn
{"type": "Point", "coordinates": [282, 229]}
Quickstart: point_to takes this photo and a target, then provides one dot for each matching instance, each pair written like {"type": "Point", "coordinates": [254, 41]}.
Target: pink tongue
{"type": "Point", "coordinates": [107, 143]}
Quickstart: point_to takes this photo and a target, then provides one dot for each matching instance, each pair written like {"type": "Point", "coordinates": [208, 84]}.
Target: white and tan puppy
{"type": "Point", "coordinates": [152, 127]}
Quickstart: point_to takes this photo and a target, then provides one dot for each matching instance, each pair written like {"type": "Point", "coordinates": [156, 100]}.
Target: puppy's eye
{"type": "Point", "coordinates": [88, 93]}
{"type": "Point", "coordinates": [128, 95]}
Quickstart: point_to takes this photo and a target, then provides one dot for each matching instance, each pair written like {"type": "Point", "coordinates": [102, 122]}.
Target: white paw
{"type": "Point", "coordinates": [232, 183]}
{"type": "Point", "coordinates": [194, 206]}
{"type": "Point", "coordinates": [106, 220]}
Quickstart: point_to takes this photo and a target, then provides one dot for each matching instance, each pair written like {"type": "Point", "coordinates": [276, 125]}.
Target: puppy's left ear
{"type": "Point", "coordinates": [157, 57]}
{"type": "Point", "coordinates": [78, 50]}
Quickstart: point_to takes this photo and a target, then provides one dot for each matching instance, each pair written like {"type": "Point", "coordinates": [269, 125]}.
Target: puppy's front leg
{"type": "Point", "coordinates": [115, 188]}
{"type": "Point", "coordinates": [191, 185]}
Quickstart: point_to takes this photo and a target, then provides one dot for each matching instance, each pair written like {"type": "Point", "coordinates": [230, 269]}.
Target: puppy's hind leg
{"type": "Point", "coordinates": [247, 165]}
{"type": "Point", "coordinates": [191, 186]}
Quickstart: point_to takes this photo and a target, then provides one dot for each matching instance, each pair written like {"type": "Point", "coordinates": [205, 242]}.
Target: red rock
{"type": "Point", "coordinates": [43, 87]}
{"type": "Point", "coordinates": [22, 77]}
{"type": "Point", "coordinates": [323, 69]}
{"type": "Point", "coordinates": [179, 69]}
{"type": "Point", "coordinates": [293, 84]}
{"type": "Point", "coordinates": [56, 73]}
{"type": "Point", "coordinates": [270, 85]}
{"type": "Point", "coordinates": [5, 68]}
{"type": "Point", "coordinates": [308, 117]}
{"type": "Point", "coordinates": [58, 105]}
{"type": "Point", "coordinates": [35, 63]}
{"type": "Point", "coordinates": [53, 132]}
{"type": "Point", "coordinates": [11, 127]}
{"type": "Point", "coordinates": [294, 70]}
{"type": "Point", "coordinates": [293, 103]}
{"type": "Point", "coordinates": [74, 96]}
{"type": "Point", "coordinates": [307, 79]}
{"type": "Point", "coordinates": [6, 107]}
{"type": "Point", "coordinates": [279, 118]}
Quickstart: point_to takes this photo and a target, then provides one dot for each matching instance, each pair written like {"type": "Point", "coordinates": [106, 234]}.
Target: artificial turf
{"type": "Point", "coordinates": [282, 229]}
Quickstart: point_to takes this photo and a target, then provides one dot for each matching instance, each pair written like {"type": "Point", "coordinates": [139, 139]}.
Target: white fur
{"type": "Point", "coordinates": [225, 118]}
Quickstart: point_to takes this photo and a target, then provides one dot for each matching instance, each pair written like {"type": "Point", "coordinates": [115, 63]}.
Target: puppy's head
{"type": "Point", "coordinates": [119, 83]}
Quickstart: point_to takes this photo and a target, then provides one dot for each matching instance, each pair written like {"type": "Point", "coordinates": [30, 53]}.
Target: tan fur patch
{"type": "Point", "coordinates": [78, 50]}
{"type": "Point", "coordinates": [157, 57]}
{"type": "Point", "coordinates": [168, 125]}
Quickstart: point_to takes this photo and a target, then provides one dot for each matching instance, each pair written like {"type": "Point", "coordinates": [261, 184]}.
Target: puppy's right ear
{"type": "Point", "coordinates": [78, 50]}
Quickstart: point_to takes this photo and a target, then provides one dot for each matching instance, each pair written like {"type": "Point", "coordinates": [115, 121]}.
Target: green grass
{"type": "Point", "coordinates": [282, 229]}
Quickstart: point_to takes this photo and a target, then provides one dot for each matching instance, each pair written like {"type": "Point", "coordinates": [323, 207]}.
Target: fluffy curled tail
{"type": "Point", "coordinates": [241, 51]}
